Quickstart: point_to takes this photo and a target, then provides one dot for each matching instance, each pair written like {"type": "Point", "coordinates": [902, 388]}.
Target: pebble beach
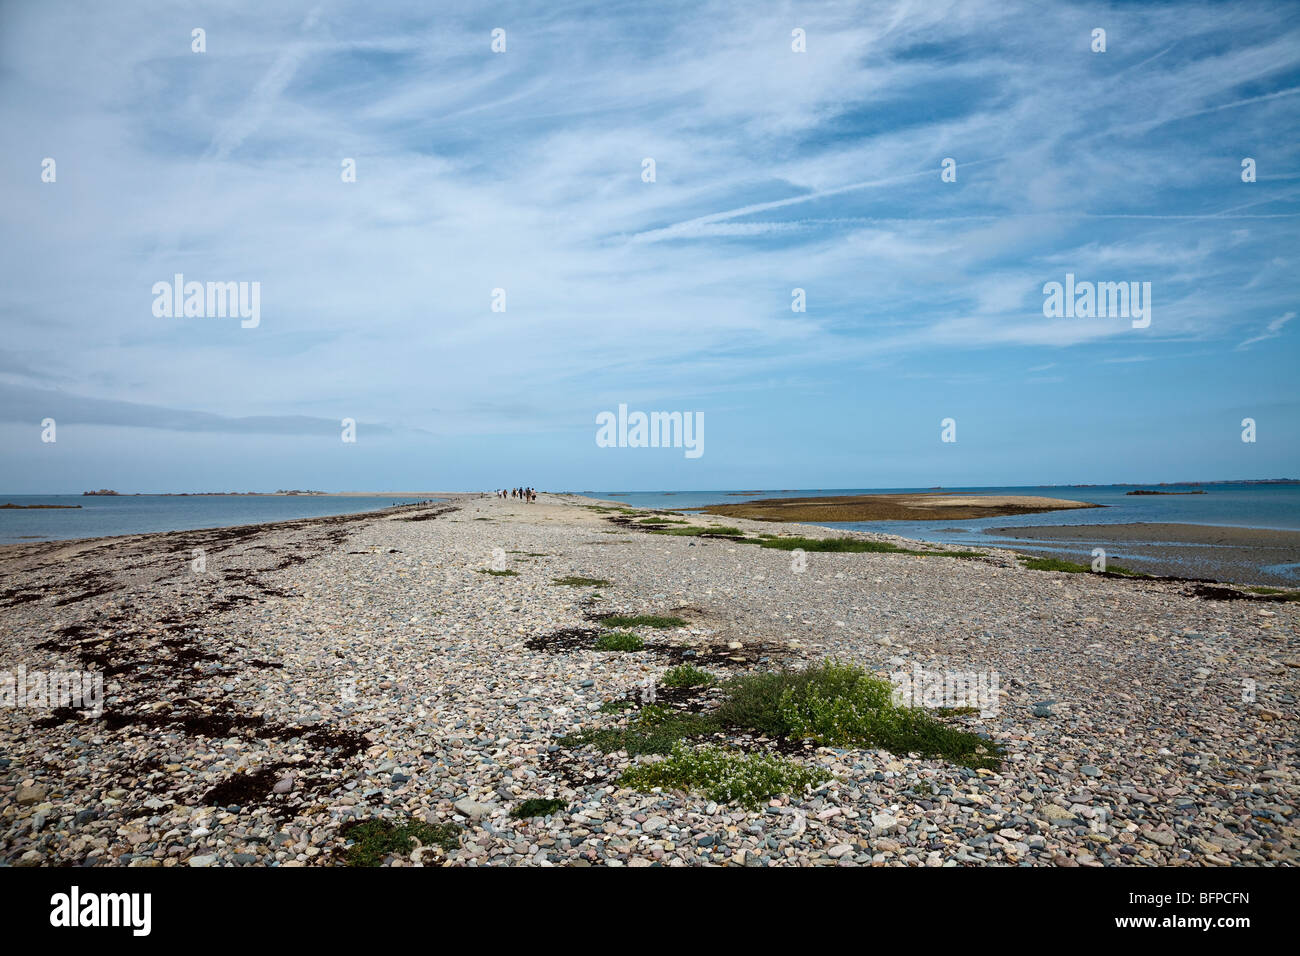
{"type": "Point", "coordinates": [421, 663]}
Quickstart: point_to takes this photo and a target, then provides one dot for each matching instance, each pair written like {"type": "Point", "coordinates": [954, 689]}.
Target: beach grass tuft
{"type": "Point", "coordinates": [499, 574]}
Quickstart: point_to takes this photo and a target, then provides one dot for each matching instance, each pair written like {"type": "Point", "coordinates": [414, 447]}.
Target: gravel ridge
{"type": "Point", "coordinates": [327, 671]}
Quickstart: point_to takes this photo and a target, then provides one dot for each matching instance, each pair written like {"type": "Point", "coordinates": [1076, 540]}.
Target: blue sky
{"type": "Point", "coordinates": [522, 170]}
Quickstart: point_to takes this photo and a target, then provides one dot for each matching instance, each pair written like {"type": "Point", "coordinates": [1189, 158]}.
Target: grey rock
{"type": "Point", "coordinates": [475, 811]}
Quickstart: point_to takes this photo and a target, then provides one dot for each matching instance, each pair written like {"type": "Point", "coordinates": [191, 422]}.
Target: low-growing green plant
{"type": "Point", "coordinates": [619, 641]}
{"type": "Point", "coordinates": [536, 807]}
{"type": "Point", "coordinates": [687, 675]}
{"type": "Point", "coordinates": [1286, 594]}
{"type": "Point", "coordinates": [653, 730]}
{"type": "Point", "coordinates": [375, 839]}
{"type": "Point", "coordinates": [656, 715]}
{"type": "Point", "coordinates": [1054, 564]}
{"type": "Point", "coordinates": [725, 776]}
{"type": "Point", "coordinates": [753, 701]}
{"type": "Point", "coordinates": [641, 620]}
{"type": "Point", "coordinates": [838, 545]}
{"type": "Point", "coordinates": [499, 574]}
{"type": "Point", "coordinates": [953, 711]}
{"type": "Point", "coordinates": [617, 706]}
{"type": "Point", "coordinates": [844, 705]}
{"type": "Point", "coordinates": [574, 581]}
{"type": "Point", "coordinates": [1073, 567]}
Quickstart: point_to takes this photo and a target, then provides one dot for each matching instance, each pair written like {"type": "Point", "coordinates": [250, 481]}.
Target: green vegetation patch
{"type": "Point", "coordinates": [537, 807]}
{"type": "Point", "coordinates": [653, 730]}
{"type": "Point", "coordinates": [573, 581]}
{"type": "Point", "coordinates": [619, 641]}
{"type": "Point", "coordinates": [687, 675]}
{"type": "Point", "coordinates": [499, 574]}
{"type": "Point", "coordinates": [641, 620]}
{"type": "Point", "coordinates": [1284, 593]}
{"type": "Point", "coordinates": [617, 706]}
{"type": "Point", "coordinates": [375, 839]}
{"type": "Point", "coordinates": [725, 776]}
{"type": "Point", "coordinates": [1073, 567]}
{"type": "Point", "coordinates": [840, 705]}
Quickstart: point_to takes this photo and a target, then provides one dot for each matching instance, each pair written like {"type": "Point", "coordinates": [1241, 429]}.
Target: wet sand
{"type": "Point", "coordinates": [1237, 555]}
{"type": "Point", "coordinates": [905, 507]}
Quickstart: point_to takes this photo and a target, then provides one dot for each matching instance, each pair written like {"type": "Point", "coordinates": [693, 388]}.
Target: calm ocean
{"type": "Point", "coordinates": [1234, 505]}
{"type": "Point", "coordinates": [1240, 505]}
{"type": "Point", "coordinates": [104, 515]}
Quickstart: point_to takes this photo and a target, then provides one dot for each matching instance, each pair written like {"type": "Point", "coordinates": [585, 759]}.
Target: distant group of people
{"type": "Point", "coordinates": [524, 494]}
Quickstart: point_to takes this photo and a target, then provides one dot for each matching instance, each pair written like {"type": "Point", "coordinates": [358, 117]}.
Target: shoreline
{"type": "Point", "coordinates": [329, 670]}
{"type": "Point", "coordinates": [1237, 536]}
{"type": "Point", "coordinates": [247, 494]}
{"type": "Point", "coordinates": [12, 549]}
{"type": "Point", "coordinates": [1149, 541]}
{"type": "Point", "coordinates": [1229, 554]}
{"type": "Point", "coordinates": [34, 541]}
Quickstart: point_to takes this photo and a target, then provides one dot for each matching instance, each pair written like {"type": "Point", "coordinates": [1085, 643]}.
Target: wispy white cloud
{"type": "Point", "coordinates": [1273, 330]}
{"type": "Point", "coordinates": [775, 170]}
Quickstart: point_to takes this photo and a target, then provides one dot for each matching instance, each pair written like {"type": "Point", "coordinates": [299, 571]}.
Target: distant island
{"type": "Point", "coordinates": [11, 505]}
{"type": "Point", "coordinates": [1143, 491]}
{"type": "Point", "coordinates": [101, 491]}
{"type": "Point", "coordinates": [1192, 484]}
